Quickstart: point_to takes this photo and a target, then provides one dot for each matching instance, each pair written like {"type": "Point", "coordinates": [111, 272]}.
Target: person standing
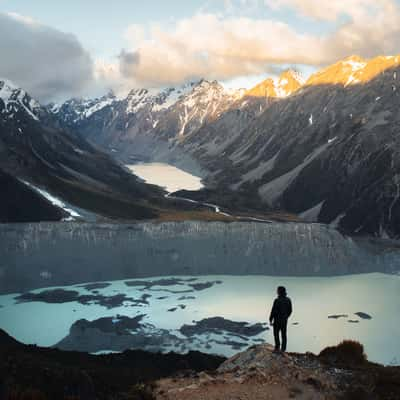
{"type": "Point", "coordinates": [280, 313]}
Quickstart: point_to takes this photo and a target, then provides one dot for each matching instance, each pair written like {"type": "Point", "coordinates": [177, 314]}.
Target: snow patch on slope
{"type": "Point", "coordinates": [157, 99]}
{"type": "Point", "coordinates": [103, 102]}
{"type": "Point", "coordinates": [312, 214]}
{"type": "Point", "coordinates": [172, 96]}
{"type": "Point", "coordinates": [55, 201]}
{"type": "Point", "coordinates": [336, 222]}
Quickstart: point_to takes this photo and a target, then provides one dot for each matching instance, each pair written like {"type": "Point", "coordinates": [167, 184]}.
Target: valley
{"type": "Point", "coordinates": [321, 150]}
{"type": "Point", "coordinates": [325, 148]}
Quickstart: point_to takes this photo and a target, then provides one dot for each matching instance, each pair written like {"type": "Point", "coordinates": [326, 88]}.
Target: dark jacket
{"type": "Point", "coordinates": [281, 310]}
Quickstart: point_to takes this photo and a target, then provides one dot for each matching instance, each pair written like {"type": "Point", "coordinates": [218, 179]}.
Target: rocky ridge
{"type": "Point", "coordinates": [284, 85]}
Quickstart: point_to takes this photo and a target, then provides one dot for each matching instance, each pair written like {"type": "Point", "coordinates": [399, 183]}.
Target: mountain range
{"type": "Point", "coordinates": [48, 173]}
{"type": "Point", "coordinates": [325, 149]}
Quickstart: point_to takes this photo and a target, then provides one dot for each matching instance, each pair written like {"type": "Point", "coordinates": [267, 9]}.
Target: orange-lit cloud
{"type": "Point", "coordinates": [221, 47]}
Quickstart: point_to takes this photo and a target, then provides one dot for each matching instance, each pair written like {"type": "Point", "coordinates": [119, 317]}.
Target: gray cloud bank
{"type": "Point", "coordinates": [49, 64]}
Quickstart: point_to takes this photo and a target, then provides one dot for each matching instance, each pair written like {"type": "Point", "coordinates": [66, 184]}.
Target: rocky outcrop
{"type": "Point", "coordinates": [260, 373]}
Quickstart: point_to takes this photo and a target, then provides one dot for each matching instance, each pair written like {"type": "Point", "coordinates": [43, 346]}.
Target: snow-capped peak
{"type": "Point", "coordinates": [78, 109]}
{"type": "Point", "coordinates": [284, 85]}
{"type": "Point", "coordinates": [354, 63]}
{"type": "Point", "coordinates": [353, 70]}
{"type": "Point", "coordinates": [138, 98]}
{"type": "Point", "coordinates": [162, 99]}
{"type": "Point", "coordinates": [287, 83]}
{"type": "Point", "coordinates": [169, 97]}
{"type": "Point", "coordinates": [15, 99]}
{"type": "Point", "coordinates": [98, 104]}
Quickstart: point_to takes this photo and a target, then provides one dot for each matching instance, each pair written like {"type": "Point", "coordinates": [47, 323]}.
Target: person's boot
{"type": "Point", "coordinates": [277, 351]}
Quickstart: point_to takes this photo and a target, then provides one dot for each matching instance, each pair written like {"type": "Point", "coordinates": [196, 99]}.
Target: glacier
{"type": "Point", "coordinates": [73, 252]}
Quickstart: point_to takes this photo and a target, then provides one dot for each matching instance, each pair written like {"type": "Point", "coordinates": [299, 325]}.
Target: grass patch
{"type": "Point", "coordinates": [348, 352]}
{"type": "Point", "coordinates": [196, 215]}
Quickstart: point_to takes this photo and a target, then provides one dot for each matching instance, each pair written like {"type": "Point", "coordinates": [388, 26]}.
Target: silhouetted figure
{"type": "Point", "coordinates": [281, 311]}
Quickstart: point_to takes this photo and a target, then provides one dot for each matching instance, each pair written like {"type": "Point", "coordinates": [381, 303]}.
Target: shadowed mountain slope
{"type": "Point", "coordinates": [326, 149]}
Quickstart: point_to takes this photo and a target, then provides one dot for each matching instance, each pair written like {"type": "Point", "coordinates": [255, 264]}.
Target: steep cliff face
{"type": "Point", "coordinates": [31, 252]}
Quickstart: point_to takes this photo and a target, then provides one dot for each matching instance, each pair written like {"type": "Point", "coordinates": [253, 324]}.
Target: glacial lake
{"type": "Point", "coordinates": [183, 300]}
{"type": "Point", "coordinates": [167, 176]}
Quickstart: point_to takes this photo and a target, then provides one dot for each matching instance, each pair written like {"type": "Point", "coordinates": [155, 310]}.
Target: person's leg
{"type": "Point", "coordinates": [284, 335]}
{"type": "Point", "coordinates": [276, 336]}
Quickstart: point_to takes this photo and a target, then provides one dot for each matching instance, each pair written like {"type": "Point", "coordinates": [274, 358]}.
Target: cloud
{"type": "Point", "coordinates": [128, 60]}
{"type": "Point", "coordinates": [223, 47]}
{"type": "Point", "coordinates": [51, 64]}
{"type": "Point", "coordinates": [330, 10]}
{"type": "Point", "coordinates": [207, 45]}
{"type": "Point", "coordinates": [364, 27]}
{"type": "Point", "coordinates": [46, 62]}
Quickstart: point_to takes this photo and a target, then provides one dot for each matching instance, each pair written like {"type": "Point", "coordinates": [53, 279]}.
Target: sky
{"type": "Point", "coordinates": [60, 49]}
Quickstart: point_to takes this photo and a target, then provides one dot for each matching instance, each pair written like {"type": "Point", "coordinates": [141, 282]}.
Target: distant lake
{"type": "Point", "coordinates": [167, 176]}
{"type": "Point", "coordinates": [238, 298]}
